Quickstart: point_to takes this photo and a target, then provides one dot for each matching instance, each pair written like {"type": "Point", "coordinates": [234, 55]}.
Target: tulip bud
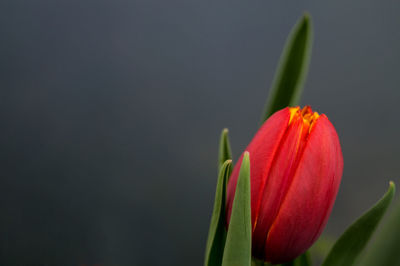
{"type": "Point", "coordinates": [296, 166]}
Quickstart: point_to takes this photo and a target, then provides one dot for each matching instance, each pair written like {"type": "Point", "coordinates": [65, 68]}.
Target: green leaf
{"type": "Point", "coordinates": [321, 248]}
{"type": "Point", "coordinates": [217, 232]}
{"type": "Point", "coordinates": [303, 260]}
{"type": "Point", "coordinates": [292, 70]}
{"type": "Point", "coordinates": [355, 238]}
{"type": "Point", "coordinates": [224, 148]}
{"type": "Point", "coordinates": [237, 250]}
{"type": "Point", "coordinates": [384, 250]}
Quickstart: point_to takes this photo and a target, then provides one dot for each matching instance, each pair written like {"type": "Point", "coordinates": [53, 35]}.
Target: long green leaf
{"type": "Point", "coordinates": [237, 250]}
{"type": "Point", "coordinates": [384, 250]}
{"type": "Point", "coordinates": [224, 148]}
{"type": "Point", "coordinates": [292, 70]}
{"type": "Point", "coordinates": [217, 232]}
{"type": "Point", "coordinates": [320, 249]}
{"type": "Point", "coordinates": [303, 260]}
{"type": "Point", "coordinates": [349, 246]}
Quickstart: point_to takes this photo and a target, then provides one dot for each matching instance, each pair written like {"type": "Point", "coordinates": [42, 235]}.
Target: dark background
{"type": "Point", "coordinates": [110, 115]}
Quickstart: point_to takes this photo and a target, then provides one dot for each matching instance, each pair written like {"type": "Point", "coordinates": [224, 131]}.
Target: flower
{"type": "Point", "coordinates": [296, 165]}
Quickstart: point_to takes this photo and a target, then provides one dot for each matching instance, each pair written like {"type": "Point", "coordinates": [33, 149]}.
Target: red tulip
{"type": "Point", "coordinates": [296, 166]}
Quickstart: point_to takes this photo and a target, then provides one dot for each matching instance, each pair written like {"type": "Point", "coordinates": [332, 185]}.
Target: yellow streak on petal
{"type": "Point", "coordinates": [293, 111]}
{"type": "Point", "coordinates": [309, 117]}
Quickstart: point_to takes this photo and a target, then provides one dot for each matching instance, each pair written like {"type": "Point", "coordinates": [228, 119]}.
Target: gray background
{"type": "Point", "coordinates": [111, 111]}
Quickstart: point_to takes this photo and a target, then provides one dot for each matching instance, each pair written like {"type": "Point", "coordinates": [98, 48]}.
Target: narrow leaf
{"type": "Point", "coordinates": [349, 246]}
{"type": "Point", "coordinates": [237, 250]}
{"type": "Point", "coordinates": [384, 250]}
{"type": "Point", "coordinates": [224, 148]}
{"type": "Point", "coordinates": [292, 70]}
{"type": "Point", "coordinates": [303, 260]}
{"type": "Point", "coordinates": [321, 248]}
{"type": "Point", "coordinates": [217, 233]}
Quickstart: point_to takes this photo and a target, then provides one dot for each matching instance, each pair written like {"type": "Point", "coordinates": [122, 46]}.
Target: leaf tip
{"type": "Point", "coordinates": [306, 22]}
{"type": "Point", "coordinates": [306, 17]}
{"type": "Point", "coordinates": [392, 187]}
{"type": "Point", "coordinates": [246, 161]}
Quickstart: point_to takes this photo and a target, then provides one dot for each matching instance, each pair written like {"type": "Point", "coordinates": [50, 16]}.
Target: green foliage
{"type": "Point", "coordinates": [237, 250]}
{"type": "Point", "coordinates": [225, 152]}
{"type": "Point", "coordinates": [385, 250]}
{"type": "Point", "coordinates": [217, 232]}
{"type": "Point", "coordinates": [321, 248]}
{"type": "Point", "coordinates": [352, 242]}
{"type": "Point", "coordinates": [292, 70]}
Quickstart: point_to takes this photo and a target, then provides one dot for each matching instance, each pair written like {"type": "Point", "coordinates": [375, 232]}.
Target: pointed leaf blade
{"type": "Point", "coordinates": [225, 152]}
{"type": "Point", "coordinates": [237, 250]}
{"type": "Point", "coordinates": [384, 250]}
{"type": "Point", "coordinates": [321, 248]}
{"type": "Point", "coordinates": [292, 70]}
{"type": "Point", "coordinates": [352, 242]}
{"type": "Point", "coordinates": [217, 233]}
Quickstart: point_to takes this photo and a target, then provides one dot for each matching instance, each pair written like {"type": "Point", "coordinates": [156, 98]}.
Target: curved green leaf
{"type": "Point", "coordinates": [384, 250]}
{"type": "Point", "coordinates": [237, 250]}
{"type": "Point", "coordinates": [224, 148]}
{"type": "Point", "coordinates": [320, 249]}
{"type": "Point", "coordinates": [292, 70]}
{"type": "Point", "coordinates": [217, 232]}
{"type": "Point", "coordinates": [352, 242]}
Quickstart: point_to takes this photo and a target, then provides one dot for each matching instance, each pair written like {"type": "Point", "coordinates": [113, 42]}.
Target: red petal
{"type": "Point", "coordinates": [262, 150]}
{"type": "Point", "coordinates": [279, 179]}
{"type": "Point", "coordinates": [309, 201]}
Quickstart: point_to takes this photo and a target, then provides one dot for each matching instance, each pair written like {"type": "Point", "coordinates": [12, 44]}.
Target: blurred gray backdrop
{"type": "Point", "coordinates": [111, 111]}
